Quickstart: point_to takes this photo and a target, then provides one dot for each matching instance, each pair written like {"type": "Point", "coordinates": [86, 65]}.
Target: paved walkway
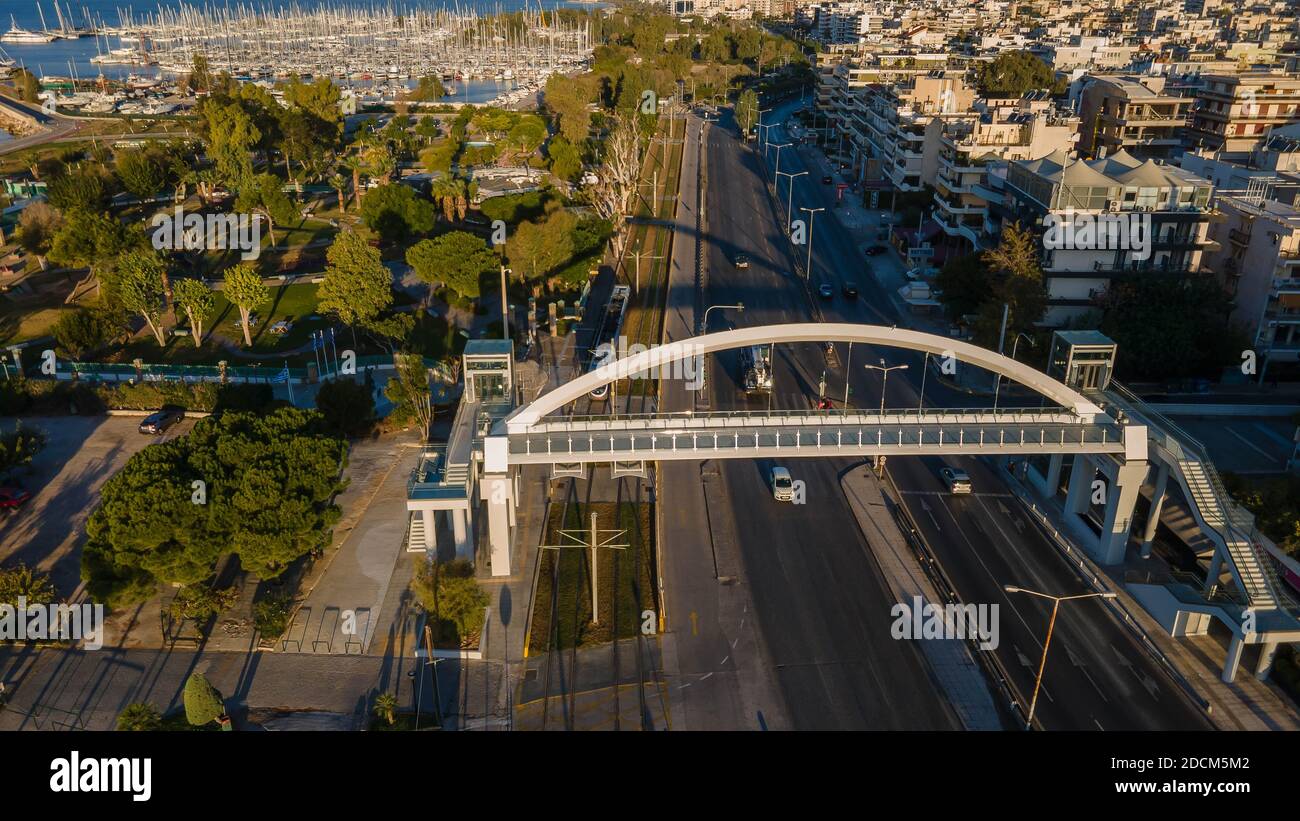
{"type": "Point", "coordinates": [954, 667]}
{"type": "Point", "coordinates": [344, 607]}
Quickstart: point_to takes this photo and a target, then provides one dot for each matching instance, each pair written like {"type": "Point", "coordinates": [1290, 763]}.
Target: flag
{"type": "Point", "coordinates": [282, 376]}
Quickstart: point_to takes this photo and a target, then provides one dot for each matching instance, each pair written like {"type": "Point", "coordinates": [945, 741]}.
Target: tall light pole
{"type": "Point", "coordinates": [812, 217]}
{"type": "Point", "coordinates": [789, 197]}
{"type": "Point", "coordinates": [778, 155]}
{"type": "Point", "coordinates": [997, 382]}
{"type": "Point", "coordinates": [1056, 605]}
{"type": "Point", "coordinates": [884, 384]}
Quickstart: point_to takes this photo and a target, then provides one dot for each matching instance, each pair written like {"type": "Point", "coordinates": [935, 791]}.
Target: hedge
{"type": "Point", "coordinates": [46, 397]}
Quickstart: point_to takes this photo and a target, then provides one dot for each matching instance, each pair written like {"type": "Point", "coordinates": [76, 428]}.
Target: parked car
{"type": "Point", "coordinates": [782, 485]}
{"type": "Point", "coordinates": [158, 422]}
{"type": "Point", "coordinates": [12, 497]}
{"type": "Point", "coordinates": [956, 480]}
{"type": "Point", "coordinates": [826, 291]}
{"type": "Point", "coordinates": [741, 261]}
{"type": "Point", "coordinates": [875, 250]}
{"type": "Point", "coordinates": [850, 290]}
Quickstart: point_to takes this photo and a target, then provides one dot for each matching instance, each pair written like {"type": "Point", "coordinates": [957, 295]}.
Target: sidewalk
{"type": "Point", "coordinates": [951, 660]}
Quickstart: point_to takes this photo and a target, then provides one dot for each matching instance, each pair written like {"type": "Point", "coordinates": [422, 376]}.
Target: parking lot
{"type": "Point", "coordinates": [80, 454]}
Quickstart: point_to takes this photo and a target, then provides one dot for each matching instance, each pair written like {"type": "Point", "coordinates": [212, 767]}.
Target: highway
{"type": "Point", "coordinates": [820, 601]}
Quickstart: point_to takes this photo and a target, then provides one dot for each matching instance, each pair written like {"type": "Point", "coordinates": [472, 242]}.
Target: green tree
{"type": "Point", "coordinates": [81, 331]}
{"type": "Point", "coordinates": [429, 89]}
{"type": "Point", "coordinates": [271, 479]}
{"type": "Point", "coordinates": [396, 212]}
{"type": "Point", "coordinates": [457, 258]}
{"type": "Point", "coordinates": [139, 717]}
{"type": "Point", "coordinates": [231, 138]}
{"type": "Point", "coordinates": [386, 708]}
{"type": "Point", "coordinates": [747, 111]}
{"type": "Point", "coordinates": [566, 160]}
{"type": "Point", "coordinates": [1012, 73]}
{"type": "Point", "coordinates": [142, 172]}
{"type": "Point", "coordinates": [243, 286]}
{"type": "Point", "coordinates": [451, 596]}
{"type": "Point", "coordinates": [86, 189]}
{"type": "Point", "coordinates": [357, 287]}
{"type": "Point", "coordinates": [37, 226]}
{"type": "Point", "coordinates": [1170, 325]}
{"type": "Point", "coordinates": [137, 281]}
{"type": "Point", "coordinates": [410, 393]}
{"type": "Point", "coordinates": [538, 249]}
{"type": "Point", "coordinates": [21, 582]}
{"type": "Point", "coordinates": [198, 303]}
{"type": "Point", "coordinates": [347, 405]}
{"type": "Point", "coordinates": [203, 704]}
{"type": "Point", "coordinates": [264, 196]}
{"type": "Point", "coordinates": [1017, 282]}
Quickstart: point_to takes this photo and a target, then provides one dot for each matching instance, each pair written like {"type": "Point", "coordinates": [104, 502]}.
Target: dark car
{"type": "Point", "coordinates": [159, 422]}
{"type": "Point", "coordinates": [850, 290]}
{"type": "Point", "coordinates": [741, 261]}
{"type": "Point", "coordinates": [875, 250]}
{"type": "Point", "coordinates": [827, 180]}
{"type": "Point", "coordinates": [11, 497]}
{"type": "Point", "coordinates": [826, 291]}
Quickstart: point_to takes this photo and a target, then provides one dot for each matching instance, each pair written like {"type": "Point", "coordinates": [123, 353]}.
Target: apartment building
{"type": "Point", "coordinates": [1133, 114]}
{"type": "Point", "coordinates": [1234, 113]}
{"type": "Point", "coordinates": [1164, 213]}
{"type": "Point", "coordinates": [971, 146]}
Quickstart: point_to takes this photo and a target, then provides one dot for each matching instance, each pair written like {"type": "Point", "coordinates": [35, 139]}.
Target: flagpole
{"type": "Point", "coordinates": [288, 381]}
{"type": "Point", "coordinates": [335, 343]}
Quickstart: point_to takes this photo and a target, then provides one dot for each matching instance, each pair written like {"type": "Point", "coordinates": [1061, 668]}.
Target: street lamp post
{"type": "Point", "coordinates": [778, 155]}
{"type": "Point", "coordinates": [884, 384]}
{"type": "Point", "coordinates": [1056, 605]}
{"type": "Point", "coordinates": [739, 306]}
{"type": "Point", "coordinates": [789, 198]}
{"type": "Point", "coordinates": [997, 382]}
{"type": "Point", "coordinates": [812, 217]}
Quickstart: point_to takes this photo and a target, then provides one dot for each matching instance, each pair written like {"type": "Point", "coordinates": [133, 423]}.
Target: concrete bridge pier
{"type": "Point", "coordinates": [1157, 504]}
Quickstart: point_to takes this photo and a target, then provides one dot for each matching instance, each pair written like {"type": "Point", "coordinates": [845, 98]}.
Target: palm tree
{"type": "Point", "coordinates": [340, 184]}
{"type": "Point", "coordinates": [386, 708]}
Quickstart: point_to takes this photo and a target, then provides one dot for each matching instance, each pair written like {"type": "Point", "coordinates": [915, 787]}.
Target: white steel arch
{"type": "Point", "coordinates": [523, 418]}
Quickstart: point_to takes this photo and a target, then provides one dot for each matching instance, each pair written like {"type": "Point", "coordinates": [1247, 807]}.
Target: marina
{"type": "Point", "coordinates": [499, 54]}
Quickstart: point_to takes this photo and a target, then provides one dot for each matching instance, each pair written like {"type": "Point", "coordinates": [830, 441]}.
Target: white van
{"type": "Point", "coordinates": [782, 485]}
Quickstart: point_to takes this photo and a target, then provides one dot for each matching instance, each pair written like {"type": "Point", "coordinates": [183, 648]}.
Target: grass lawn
{"type": "Point", "coordinates": [20, 322]}
{"type": "Point", "coordinates": [628, 572]}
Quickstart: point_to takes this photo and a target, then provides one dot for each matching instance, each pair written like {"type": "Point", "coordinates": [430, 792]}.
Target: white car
{"type": "Point", "coordinates": [782, 485]}
{"type": "Point", "coordinates": [956, 480]}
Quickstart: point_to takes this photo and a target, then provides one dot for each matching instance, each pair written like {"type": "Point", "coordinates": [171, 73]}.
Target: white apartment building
{"type": "Point", "coordinates": [997, 132]}
{"type": "Point", "coordinates": [1172, 203]}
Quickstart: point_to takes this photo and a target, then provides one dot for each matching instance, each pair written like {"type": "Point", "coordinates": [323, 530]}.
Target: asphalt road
{"type": "Point", "coordinates": [1097, 676]}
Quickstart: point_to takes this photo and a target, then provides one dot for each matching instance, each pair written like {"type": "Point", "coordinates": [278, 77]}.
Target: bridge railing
{"type": "Point", "coordinates": [809, 418]}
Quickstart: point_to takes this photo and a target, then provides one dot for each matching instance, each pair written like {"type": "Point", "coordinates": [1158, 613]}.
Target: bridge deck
{"type": "Point", "coordinates": [752, 435]}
